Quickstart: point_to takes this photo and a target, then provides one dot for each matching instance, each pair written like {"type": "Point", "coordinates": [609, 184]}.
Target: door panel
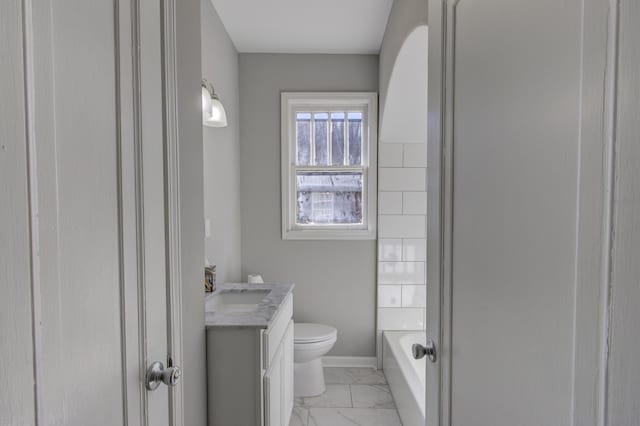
{"type": "Point", "coordinates": [505, 137]}
{"type": "Point", "coordinates": [515, 153]}
{"type": "Point", "coordinates": [78, 210]}
{"type": "Point", "coordinates": [95, 118]}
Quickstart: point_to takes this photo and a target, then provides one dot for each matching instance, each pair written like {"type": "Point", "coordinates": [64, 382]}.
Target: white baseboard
{"type": "Point", "coordinates": [350, 361]}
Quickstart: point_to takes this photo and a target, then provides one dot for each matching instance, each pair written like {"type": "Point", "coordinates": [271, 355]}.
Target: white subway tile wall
{"type": "Point", "coordinates": [413, 250]}
{"type": "Point", "coordinates": [390, 202]}
{"type": "Point", "coordinates": [401, 273]}
{"type": "Point", "coordinates": [413, 202]}
{"type": "Point", "coordinates": [414, 296]}
{"type": "Point", "coordinates": [402, 179]}
{"type": "Point", "coordinates": [402, 244]}
{"type": "Point", "coordinates": [390, 249]}
{"type": "Point", "coordinates": [415, 155]}
{"type": "Point", "coordinates": [401, 226]}
{"type": "Point", "coordinates": [389, 296]}
{"type": "Point", "coordinates": [401, 319]}
{"type": "Point", "coordinates": [390, 155]}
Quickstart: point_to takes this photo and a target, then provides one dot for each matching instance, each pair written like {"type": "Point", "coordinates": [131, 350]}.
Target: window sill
{"type": "Point", "coordinates": [329, 234]}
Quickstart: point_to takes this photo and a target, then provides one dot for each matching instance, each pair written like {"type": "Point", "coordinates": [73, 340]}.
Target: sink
{"type": "Point", "coordinates": [236, 300]}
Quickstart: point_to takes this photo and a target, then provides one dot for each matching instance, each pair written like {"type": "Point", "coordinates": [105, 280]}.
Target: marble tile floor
{"type": "Point", "coordinates": [354, 397]}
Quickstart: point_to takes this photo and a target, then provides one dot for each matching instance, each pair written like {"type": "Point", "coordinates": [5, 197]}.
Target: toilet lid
{"type": "Point", "coordinates": [309, 333]}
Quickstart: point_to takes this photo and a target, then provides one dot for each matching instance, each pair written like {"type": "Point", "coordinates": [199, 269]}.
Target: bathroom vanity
{"type": "Point", "coordinates": [250, 355]}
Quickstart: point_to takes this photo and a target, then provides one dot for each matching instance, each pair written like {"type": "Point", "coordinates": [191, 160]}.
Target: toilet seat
{"type": "Point", "coordinates": [305, 333]}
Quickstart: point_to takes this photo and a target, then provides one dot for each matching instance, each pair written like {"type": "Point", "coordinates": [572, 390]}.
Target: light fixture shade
{"type": "Point", "coordinates": [213, 113]}
{"type": "Point", "coordinates": [206, 104]}
{"type": "Point", "coordinates": [218, 116]}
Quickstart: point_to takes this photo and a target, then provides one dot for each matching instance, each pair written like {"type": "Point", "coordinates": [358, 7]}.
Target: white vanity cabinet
{"type": "Point", "coordinates": [250, 372]}
{"type": "Point", "coordinates": [278, 383]}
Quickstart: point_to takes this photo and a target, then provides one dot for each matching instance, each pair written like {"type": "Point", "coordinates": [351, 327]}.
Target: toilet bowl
{"type": "Point", "coordinates": [310, 343]}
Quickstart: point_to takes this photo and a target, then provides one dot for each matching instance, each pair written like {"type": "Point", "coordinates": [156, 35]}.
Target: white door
{"type": "Point", "coordinates": [85, 166]}
{"type": "Point", "coordinates": [517, 171]}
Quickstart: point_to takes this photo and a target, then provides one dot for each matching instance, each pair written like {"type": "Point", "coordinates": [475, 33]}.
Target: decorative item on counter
{"type": "Point", "coordinates": [209, 278]}
{"type": "Point", "coordinates": [255, 279]}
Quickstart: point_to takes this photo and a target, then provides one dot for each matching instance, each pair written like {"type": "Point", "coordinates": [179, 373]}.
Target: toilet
{"type": "Point", "coordinates": [310, 343]}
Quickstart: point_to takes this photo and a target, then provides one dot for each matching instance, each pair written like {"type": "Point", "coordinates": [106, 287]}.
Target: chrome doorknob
{"type": "Point", "coordinates": [429, 350]}
{"type": "Point", "coordinates": [157, 374]}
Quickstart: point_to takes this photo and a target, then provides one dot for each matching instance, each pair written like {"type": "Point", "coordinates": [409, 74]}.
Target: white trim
{"type": "Point", "coordinates": [437, 326]}
{"type": "Point", "coordinates": [172, 208]}
{"type": "Point", "coordinates": [367, 102]}
{"type": "Point", "coordinates": [350, 361]}
{"type": "Point", "coordinates": [138, 207]}
{"type": "Point", "coordinates": [127, 119]}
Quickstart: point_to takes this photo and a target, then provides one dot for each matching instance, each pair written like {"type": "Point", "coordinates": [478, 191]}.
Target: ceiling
{"type": "Point", "coordinates": [304, 26]}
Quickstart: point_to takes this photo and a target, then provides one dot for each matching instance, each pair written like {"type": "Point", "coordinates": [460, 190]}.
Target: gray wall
{"type": "Point", "coordinates": [190, 134]}
{"type": "Point", "coordinates": [221, 149]}
{"type": "Point", "coordinates": [335, 280]}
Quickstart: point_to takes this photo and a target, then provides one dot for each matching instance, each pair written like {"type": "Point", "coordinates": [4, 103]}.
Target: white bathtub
{"type": "Point", "coordinates": [406, 376]}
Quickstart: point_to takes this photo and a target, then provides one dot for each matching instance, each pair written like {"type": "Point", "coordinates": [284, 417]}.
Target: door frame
{"type": "Point", "coordinates": [439, 193]}
{"type": "Point", "coordinates": [595, 209]}
{"type": "Point", "coordinates": [38, 61]}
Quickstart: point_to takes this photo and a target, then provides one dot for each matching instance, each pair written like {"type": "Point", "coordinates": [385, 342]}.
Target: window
{"type": "Point", "coordinates": [329, 166]}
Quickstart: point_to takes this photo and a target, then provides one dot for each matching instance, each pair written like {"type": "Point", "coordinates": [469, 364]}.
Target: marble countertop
{"type": "Point", "coordinates": [261, 317]}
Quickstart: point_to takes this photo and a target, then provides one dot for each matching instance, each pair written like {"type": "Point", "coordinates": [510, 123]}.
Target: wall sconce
{"type": "Point", "coordinates": [213, 113]}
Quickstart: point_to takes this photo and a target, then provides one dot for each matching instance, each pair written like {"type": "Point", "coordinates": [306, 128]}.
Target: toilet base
{"type": "Point", "coordinates": [308, 378]}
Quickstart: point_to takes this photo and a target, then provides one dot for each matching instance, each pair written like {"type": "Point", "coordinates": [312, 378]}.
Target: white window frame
{"type": "Point", "coordinates": [294, 102]}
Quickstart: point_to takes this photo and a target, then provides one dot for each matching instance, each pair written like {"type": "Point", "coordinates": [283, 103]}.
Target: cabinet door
{"type": "Point", "coordinates": [273, 391]}
{"type": "Point", "coordinates": [287, 374]}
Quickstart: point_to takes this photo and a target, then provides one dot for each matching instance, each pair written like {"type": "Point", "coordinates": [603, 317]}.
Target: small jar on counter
{"type": "Point", "coordinates": [209, 278]}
